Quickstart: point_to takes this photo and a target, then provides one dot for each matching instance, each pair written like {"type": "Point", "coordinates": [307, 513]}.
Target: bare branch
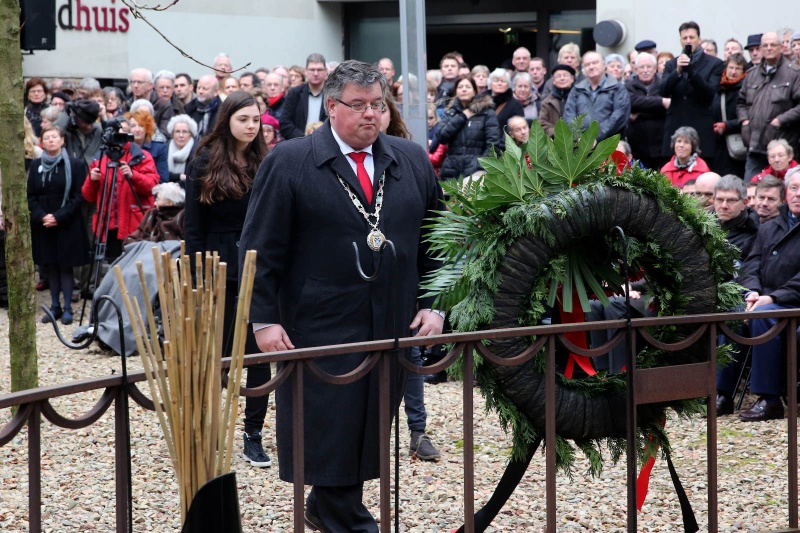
{"type": "Point", "coordinates": [134, 8]}
{"type": "Point", "coordinates": [153, 8]}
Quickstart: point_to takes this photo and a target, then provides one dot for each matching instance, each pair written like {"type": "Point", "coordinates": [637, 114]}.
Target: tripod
{"type": "Point", "coordinates": [113, 155]}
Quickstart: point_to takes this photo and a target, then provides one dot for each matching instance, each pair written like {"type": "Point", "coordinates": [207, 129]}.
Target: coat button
{"type": "Point", "coordinates": [774, 252]}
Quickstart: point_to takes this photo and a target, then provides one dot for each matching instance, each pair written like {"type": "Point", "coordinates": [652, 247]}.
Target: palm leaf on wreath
{"type": "Point", "coordinates": [556, 165]}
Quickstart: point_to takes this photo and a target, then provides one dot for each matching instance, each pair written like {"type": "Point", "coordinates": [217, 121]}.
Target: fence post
{"type": "Point", "coordinates": [35, 469]}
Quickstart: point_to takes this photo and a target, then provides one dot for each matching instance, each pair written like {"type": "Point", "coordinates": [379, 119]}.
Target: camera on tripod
{"type": "Point", "coordinates": [114, 141]}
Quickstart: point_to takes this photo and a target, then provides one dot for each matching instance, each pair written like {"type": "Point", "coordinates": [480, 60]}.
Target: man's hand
{"type": "Point", "coordinates": [683, 61]}
{"type": "Point", "coordinates": [775, 122]}
{"type": "Point", "coordinates": [273, 339]}
{"type": "Point", "coordinates": [755, 300]}
{"type": "Point", "coordinates": [94, 175]}
{"type": "Point", "coordinates": [719, 128]}
{"type": "Point", "coordinates": [428, 322]}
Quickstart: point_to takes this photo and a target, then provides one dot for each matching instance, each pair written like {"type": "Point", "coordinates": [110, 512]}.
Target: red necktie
{"type": "Point", "coordinates": [361, 171]}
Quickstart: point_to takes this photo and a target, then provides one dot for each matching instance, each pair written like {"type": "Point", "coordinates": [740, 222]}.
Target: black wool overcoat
{"type": "Point", "coordinates": [67, 243]}
{"type": "Point", "coordinates": [302, 224]}
{"type": "Point", "coordinates": [692, 92]}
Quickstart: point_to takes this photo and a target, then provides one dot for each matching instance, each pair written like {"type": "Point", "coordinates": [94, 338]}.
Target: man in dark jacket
{"type": "Point", "coordinates": [771, 275]}
{"type": "Point", "coordinates": [141, 81]}
{"type": "Point", "coordinates": [273, 85]}
{"type": "Point", "coordinates": [741, 224]}
{"type": "Point", "coordinates": [736, 218]}
{"type": "Point", "coordinates": [768, 105]}
{"type": "Point", "coordinates": [305, 104]}
{"type": "Point", "coordinates": [691, 81]}
{"type": "Point", "coordinates": [205, 107]}
{"type": "Point", "coordinates": [83, 135]}
{"type": "Point", "coordinates": [312, 198]}
{"type": "Point", "coordinates": [601, 97]}
{"type": "Point", "coordinates": [648, 111]}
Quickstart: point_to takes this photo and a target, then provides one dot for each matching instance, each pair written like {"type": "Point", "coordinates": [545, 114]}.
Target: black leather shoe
{"type": "Point", "coordinates": [439, 377]}
{"type": "Point", "coordinates": [313, 522]}
{"type": "Point", "coordinates": [761, 411]}
{"type": "Point", "coordinates": [724, 405]}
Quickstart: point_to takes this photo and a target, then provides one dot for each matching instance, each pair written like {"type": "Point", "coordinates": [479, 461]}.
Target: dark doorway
{"type": "Point", "coordinates": [480, 45]}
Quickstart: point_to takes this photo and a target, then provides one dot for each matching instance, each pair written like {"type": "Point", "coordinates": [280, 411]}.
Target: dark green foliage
{"type": "Point", "coordinates": [565, 176]}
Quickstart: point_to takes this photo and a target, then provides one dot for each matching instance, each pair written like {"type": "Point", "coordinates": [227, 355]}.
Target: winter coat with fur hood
{"type": "Point", "coordinates": [468, 138]}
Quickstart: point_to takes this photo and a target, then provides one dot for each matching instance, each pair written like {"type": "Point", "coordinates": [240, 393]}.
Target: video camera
{"type": "Point", "coordinates": [114, 141]}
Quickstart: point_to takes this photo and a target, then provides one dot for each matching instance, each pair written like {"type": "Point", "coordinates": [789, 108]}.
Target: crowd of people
{"type": "Point", "coordinates": [723, 129]}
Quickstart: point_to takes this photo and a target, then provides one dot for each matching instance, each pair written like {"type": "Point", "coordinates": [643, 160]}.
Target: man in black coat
{"type": "Point", "coordinates": [691, 81]}
{"type": "Point", "coordinates": [648, 111]}
{"type": "Point", "coordinates": [772, 278]}
{"type": "Point", "coordinates": [741, 226]}
{"type": "Point", "coordinates": [205, 107]}
{"type": "Point", "coordinates": [141, 81]}
{"type": "Point", "coordinates": [311, 200]}
{"type": "Point", "coordinates": [305, 104]}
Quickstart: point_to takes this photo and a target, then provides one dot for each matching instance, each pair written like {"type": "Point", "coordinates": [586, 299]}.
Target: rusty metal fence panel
{"type": "Point", "coordinates": [645, 386]}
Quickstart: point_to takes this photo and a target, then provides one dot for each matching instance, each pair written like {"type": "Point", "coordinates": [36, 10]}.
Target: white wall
{"type": "Point", "coordinates": [259, 32]}
{"type": "Point", "coordinates": [659, 20]}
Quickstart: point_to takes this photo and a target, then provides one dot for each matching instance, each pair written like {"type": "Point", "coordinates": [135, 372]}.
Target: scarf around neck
{"type": "Point", "coordinates": [178, 156]}
{"type": "Point", "coordinates": [48, 166]}
{"type": "Point", "coordinates": [561, 94]}
{"type": "Point", "coordinates": [734, 222]}
{"type": "Point", "coordinates": [727, 83]}
{"type": "Point", "coordinates": [689, 163]}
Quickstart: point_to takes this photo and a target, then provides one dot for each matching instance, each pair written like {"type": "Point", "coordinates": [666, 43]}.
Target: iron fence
{"type": "Point", "coordinates": [645, 386]}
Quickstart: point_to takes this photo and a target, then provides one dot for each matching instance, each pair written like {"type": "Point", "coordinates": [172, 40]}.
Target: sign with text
{"type": "Point", "coordinates": [81, 15]}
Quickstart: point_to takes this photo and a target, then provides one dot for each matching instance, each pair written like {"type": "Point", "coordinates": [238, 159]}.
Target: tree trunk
{"type": "Point", "coordinates": [19, 260]}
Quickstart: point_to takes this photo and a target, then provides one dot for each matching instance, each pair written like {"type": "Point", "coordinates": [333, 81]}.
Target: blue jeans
{"type": "Point", "coordinates": [766, 376]}
{"type": "Point", "coordinates": [414, 397]}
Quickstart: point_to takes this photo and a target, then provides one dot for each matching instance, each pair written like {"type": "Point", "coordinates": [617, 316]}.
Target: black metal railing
{"type": "Point", "coordinates": [650, 385]}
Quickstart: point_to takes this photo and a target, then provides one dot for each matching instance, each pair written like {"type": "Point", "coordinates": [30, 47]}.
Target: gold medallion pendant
{"type": "Point", "coordinates": [375, 240]}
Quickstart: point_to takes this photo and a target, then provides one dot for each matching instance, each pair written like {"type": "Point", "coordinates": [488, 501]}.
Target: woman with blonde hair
{"type": "Point", "coordinates": [30, 142]}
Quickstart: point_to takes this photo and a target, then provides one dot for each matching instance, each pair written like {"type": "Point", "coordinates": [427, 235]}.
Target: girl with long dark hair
{"type": "Point", "coordinates": [219, 181]}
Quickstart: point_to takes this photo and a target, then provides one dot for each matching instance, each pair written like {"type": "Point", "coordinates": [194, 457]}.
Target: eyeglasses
{"type": "Point", "coordinates": [378, 107]}
{"type": "Point", "coordinates": [729, 201]}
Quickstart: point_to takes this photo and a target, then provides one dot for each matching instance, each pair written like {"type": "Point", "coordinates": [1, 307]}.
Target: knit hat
{"type": "Point", "coordinates": [60, 94]}
{"type": "Point", "coordinates": [563, 67]}
{"type": "Point", "coordinates": [87, 110]}
{"type": "Point", "coordinates": [269, 120]}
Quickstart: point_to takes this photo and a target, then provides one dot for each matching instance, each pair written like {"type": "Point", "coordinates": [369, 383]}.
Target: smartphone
{"type": "Point", "coordinates": [687, 50]}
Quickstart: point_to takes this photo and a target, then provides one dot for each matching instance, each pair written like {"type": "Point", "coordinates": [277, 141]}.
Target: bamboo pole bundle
{"type": "Point", "coordinates": [184, 375]}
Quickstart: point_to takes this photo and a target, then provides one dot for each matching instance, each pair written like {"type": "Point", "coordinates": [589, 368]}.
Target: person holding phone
{"type": "Point", "coordinates": [691, 80]}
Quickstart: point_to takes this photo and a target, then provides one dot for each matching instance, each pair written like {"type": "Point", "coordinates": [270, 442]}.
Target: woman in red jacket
{"type": "Point", "coordinates": [685, 165]}
{"type": "Point", "coordinates": [781, 158]}
{"type": "Point", "coordinates": [136, 177]}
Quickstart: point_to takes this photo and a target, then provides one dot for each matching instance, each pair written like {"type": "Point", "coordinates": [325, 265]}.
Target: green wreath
{"type": "Point", "coordinates": [538, 221]}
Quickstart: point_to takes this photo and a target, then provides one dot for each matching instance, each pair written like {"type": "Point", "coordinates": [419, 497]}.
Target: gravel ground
{"type": "Point", "coordinates": [78, 475]}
